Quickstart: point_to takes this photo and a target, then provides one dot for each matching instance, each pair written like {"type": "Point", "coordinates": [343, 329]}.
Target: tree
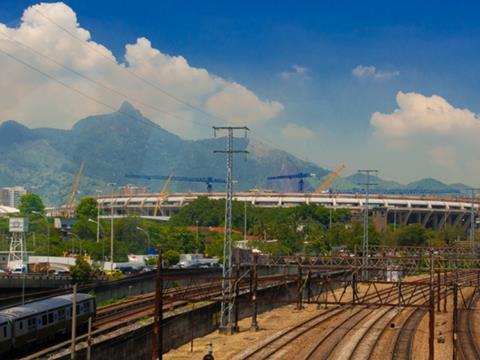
{"type": "Point", "coordinates": [412, 235]}
{"type": "Point", "coordinates": [171, 256]}
{"type": "Point", "coordinates": [81, 272]}
{"type": "Point", "coordinates": [87, 208]}
{"type": "Point", "coordinates": [30, 203]}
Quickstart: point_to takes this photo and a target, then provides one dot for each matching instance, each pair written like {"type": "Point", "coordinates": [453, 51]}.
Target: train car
{"type": "Point", "coordinates": [5, 335]}
{"type": "Point", "coordinates": [86, 308]}
{"type": "Point", "coordinates": [45, 319]}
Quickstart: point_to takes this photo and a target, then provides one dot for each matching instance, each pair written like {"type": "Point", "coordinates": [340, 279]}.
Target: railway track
{"type": "Point", "coordinates": [362, 327]}
{"type": "Point", "coordinates": [467, 346]}
{"type": "Point", "coordinates": [404, 343]}
{"type": "Point", "coordinates": [112, 317]}
{"type": "Point", "coordinates": [274, 345]}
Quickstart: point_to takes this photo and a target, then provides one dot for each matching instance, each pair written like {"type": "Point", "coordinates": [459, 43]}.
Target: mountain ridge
{"type": "Point", "coordinates": [46, 160]}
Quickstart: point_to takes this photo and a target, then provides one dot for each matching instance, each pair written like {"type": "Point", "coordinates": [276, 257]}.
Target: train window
{"type": "Point", "coordinates": [61, 314]}
{"type": "Point", "coordinates": [5, 332]}
{"type": "Point", "coordinates": [20, 325]}
{"type": "Point", "coordinates": [86, 307]}
{"type": "Point", "coordinates": [31, 323]}
{"type": "Point", "coordinates": [44, 319]}
{"type": "Point", "coordinates": [50, 318]}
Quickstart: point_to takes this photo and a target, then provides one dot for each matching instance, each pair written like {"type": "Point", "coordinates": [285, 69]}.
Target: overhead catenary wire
{"type": "Point", "coordinates": [100, 84]}
{"type": "Point", "coordinates": [150, 83]}
{"type": "Point", "coordinates": [119, 93]}
{"type": "Point", "coordinates": [128, 70]}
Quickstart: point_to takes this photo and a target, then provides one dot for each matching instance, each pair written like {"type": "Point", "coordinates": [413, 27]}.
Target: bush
{"type": "Point", "coordinates": [81, 272]}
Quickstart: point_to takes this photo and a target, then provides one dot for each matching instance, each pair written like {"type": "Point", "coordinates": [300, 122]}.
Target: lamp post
{"type": "Point", "coordinates": [99, 226]}
{"type": "Point", "coordinates": [147, 234]}
{"type": "Point", "coordinates": [73, 242]}
{"type": "Point", "coordinates": [196, 231]}
{"type": "Point", "coordinates": [48, 233]}
{"type": "Point", "coordinates": [112, 185]}
{"type": "Point", "coordinates": [98, 217]}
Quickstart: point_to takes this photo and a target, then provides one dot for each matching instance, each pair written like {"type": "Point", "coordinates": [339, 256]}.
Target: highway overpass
{"type": "Point", "coordinates": [432, 212]}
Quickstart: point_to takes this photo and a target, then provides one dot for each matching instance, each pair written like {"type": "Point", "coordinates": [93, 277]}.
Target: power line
{"type": "Point", "coordinates": [148, 82]}
{"type": "Point", "coordinates": [98, 83]}
{"type": "Point", "coordinates": [132, 73]}
{"type": "Point", "coordinates": [117, 92]}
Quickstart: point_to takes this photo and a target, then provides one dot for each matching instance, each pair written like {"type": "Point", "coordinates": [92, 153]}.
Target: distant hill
{"type": "Point", "coordinates": [47, 160]}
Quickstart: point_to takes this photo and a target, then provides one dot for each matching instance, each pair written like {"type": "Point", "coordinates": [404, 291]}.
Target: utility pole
{"type": "Point", "coordinates": [226, 312]}
{"type": "Point", "coordinates": [367, 183]}
{"type": "Point", "coordinates": [111, 226]}
{"type": "Point", "coordinates": [431, 312]}
{"type": "Point", "coordinates": [74, 322]}
{"type": "Point", "coordinates": [157, 340]}
{"type": "Point", "coordinates": [245, 221]}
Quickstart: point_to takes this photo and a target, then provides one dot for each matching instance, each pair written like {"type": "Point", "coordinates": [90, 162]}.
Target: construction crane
{"type": "Point", "coordinates": [299, 176]}
{"type": "Point", "coordinates": [75, 187]}
{"type": "Point", "coordinates": [209, 181]}
{"type": "Point", "coordinates": [333, 175]}
{"type": "Point", "coordinates": [163, 194]}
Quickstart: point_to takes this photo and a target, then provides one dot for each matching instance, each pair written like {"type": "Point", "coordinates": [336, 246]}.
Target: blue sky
{"type": "Point", "coordinates": [303, 55]}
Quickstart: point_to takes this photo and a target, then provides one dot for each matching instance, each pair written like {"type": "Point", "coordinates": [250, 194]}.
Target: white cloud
{"type": "Point", "coordinates": [422, 115]}
{"type": "Point", "coordinates": [239, 105]}
{"type": "Point", "coordinates": [444, 156]}
{"type": "Point", "coordinates": [295, 132]}
{"type": "Point", "coordinates": [38, 101]}
{"type": "Point", "coordinates": [296, 72]}
{"type": "Point", "coordinates": [370, 71]}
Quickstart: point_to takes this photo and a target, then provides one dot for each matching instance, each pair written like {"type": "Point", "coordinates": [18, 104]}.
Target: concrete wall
{"type": "Point", "coordinates": [104, 291]}
{"type": "Point", "coordinates": [179, 329]}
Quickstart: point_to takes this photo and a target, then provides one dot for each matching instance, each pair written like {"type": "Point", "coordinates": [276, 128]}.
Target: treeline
{"type": "Point", "coordinates": [307, 228]}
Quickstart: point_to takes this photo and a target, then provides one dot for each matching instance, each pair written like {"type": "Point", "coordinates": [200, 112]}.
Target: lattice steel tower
{"type": "Point", "coordinates": [367, 183]}
{"type": "Point", "coordinates": [226, 323]}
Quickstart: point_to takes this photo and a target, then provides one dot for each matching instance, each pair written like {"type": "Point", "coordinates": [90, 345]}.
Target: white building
{"type": "Point", "coordinates": [10, 196]}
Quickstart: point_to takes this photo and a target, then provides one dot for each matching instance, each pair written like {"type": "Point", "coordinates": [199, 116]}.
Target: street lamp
{"type": "Point", "coordinates": [48, 233]}
{"type": "Point", "coordinates": [99, 226]}
{"type": "Point", "coordinates": [73, 242]}
{"type": "Point", "coordinates": [148, 236]}
{"type": "Point", "coordinates": [196, 231]}
{"type": "Point", "coordinates": [98, 217]}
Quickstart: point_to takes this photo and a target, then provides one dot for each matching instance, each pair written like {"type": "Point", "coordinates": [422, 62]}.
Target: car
{"type": "Point", "coordinates": [62, 272]}
{"type": "Point", "coordinates": [19, 270]}
{"type": "Point", "coordinates": [128, 270]}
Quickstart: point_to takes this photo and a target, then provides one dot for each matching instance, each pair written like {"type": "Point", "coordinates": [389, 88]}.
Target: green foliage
{"type": "Point", "coordinates": [81, 272]}
{"type": "Point", "coordinates": [30, 203]}
{"type": "Point", "coordinates": [171, 256]}
{"type": "Point", "coordinates": [86, 208]}
{"type": "Point", "coordinates": [412, 235]}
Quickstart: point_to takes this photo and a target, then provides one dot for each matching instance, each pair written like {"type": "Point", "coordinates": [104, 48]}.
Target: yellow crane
{"type": "Point", "coordinates": [162, 196]}
{"type": "Point", "coordinates": [75, 187]}
{"type": "Point", "coordinates": [333, 175]}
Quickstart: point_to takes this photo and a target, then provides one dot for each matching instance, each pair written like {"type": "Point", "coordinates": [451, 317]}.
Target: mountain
{"type": "Point", "coordinates": [46, 160]}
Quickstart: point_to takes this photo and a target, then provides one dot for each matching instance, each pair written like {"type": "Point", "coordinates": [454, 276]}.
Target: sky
{"type": "Point", "coordinates": [392, 86]}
